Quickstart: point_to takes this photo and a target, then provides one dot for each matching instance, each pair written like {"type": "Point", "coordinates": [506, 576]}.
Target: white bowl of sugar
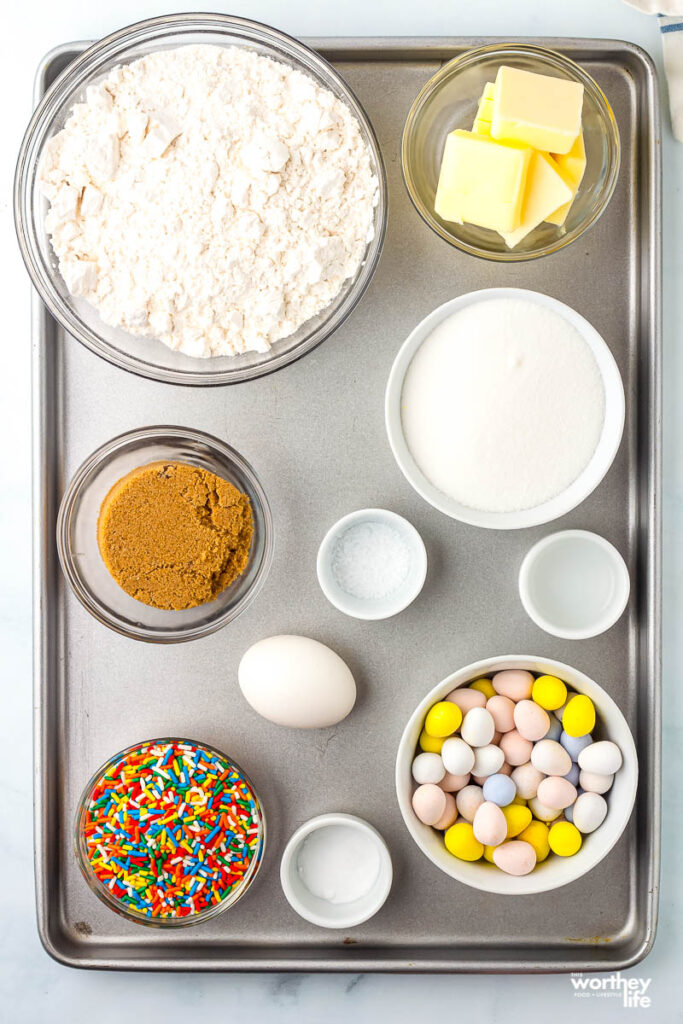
{"type": "Point", "coordinates": [504, 408]}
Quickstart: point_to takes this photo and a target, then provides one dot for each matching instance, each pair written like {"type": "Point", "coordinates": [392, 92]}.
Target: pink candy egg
{"type": "Point", "coordinates": [490, 826]}
{"type": "Point", "coordinates": [515, 858]}
{"type": "Point", "coordinates": [454, 783]}
{"type": "Point", "coordinates": [527, 779]}
{"type": "Point", "coordinates": [550, 757]}
{"type": "Point", "coordinates": [468, 801]}
{"type": "Point", "coordinates": [466, 699]}
{"type": "Point", "coordinates": [556, 793]}
{"type": "Point", "coordinates": [449, 815]}
{"type": "Point", "coordinates": [531, 720]}
{"type": "Point", "coordinates": [502, 711]}
{"type": "Point", "coordinates": [516, 749]}
{"type": "Point", "coordinates": [429, 803]}
{"type": "Point", "coordinates": [505, 769]}
{"type": "Point", "coordinates": [513, 683]}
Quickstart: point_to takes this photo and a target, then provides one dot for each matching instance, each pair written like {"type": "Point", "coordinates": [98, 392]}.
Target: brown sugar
{"type": "Point", "coordinates": [173, 535]}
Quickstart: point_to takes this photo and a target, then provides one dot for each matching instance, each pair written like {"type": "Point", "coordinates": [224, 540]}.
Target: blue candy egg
{"type": "Point", "coordinates": [573, 775]}
{"type": "Point", "coordinates": [569, 811]}
{"type": "Point", "coordinates": [575, 744]}
{"type": "Point", "coordinates": [555, 730]}
{"type": "Point", "coordinates": [499, 789]}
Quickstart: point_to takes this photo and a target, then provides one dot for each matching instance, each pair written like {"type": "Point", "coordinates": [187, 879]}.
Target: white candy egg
{"type": "Point", "coordinates": [477, 727]}
{"type": "Point", "coordinates": [594, 782]}
{"type": "Point", "coordinates": [603, 757]}
{"type": "Point", "coordinates": [487, 761]}
{"type": "Point", "coordinates": [428, 768]}
{"type": "Point", "coordinates": [297, 682]}
{"type": "Point", "coordinates": [527, 779]}
{"type": "Point", "coordinates": [550, 757]}
{"type": "Point", "coordinates": [457, 756]}
{"type": "Point", "coordinates": [589, 812]}
{"type": "Point", "coordinates": [543, 813]}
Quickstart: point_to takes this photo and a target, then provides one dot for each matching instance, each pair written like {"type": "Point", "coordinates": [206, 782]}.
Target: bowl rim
{"type": "Point", "coordinates": [568, 869]}
{"type": "Point", "coordinates": [589, 478]}
{"type": "Point", "coordinates": [92, 464]}
{"type": "Point", "coordinates": [38, 130]}
{"type": "Point", "coordinates": [509, 49]}
{"type": "Point", "coordinates": [616, 607]}
{"type": "Point", "coordinates": [382, 886]}
{"type": "Point", "coordinates": [383, 608]}
{"type": "Point", "coordinates": [101, 891]}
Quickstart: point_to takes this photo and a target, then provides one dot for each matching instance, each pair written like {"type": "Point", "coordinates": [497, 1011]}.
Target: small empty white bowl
{"type": "Point", "coordinates": [574, 584]}
{"type": "Point", "coordinates": [368, 601]}
{"type": "Point", "coordinates": [319, 911]}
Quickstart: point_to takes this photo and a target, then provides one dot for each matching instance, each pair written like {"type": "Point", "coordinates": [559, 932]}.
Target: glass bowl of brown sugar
{"type": "Point", "coordinates": [165, 534]}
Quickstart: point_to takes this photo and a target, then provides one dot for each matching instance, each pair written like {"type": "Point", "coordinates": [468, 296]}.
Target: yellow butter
{"type": "Point", "coordinates": [572, 166]}
{"type": "Point", "coordinates": [482, 182]}
{"type": "Point", "coordinates": [545, 191]}
{"type": "Point", "coordinates": [536, 110]}
{"type": "Point", "coordinates": [481, 127]}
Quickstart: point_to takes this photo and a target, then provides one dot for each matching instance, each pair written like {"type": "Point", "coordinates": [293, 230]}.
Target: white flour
{"type": "Point", "coordinates": [503, 405]}
{"type": "Point", "coordinates": [209, 197]}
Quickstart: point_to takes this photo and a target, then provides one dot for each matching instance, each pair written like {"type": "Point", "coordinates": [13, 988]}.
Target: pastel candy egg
{"type": "Point", "coordinates": [513, 683]}
{"type": "Point", "coordinates": [516, 858]}
{"type": "Point", "coordinates": [516, 749]}
{"type": "Point", "coordinates": [527, 780]}
{"type": "Point", "coordinates": [579, 715]}
{"type": "Point", "coordinates": [429, 803]}
{"type": "Point", "coordinates": [564, 838]}
{"type": "Point", "coordinates": [468, 801]}
{"type": "Point", "coordinates": [483, 686]}
{"type": "Point", "coordinates": [506, 768]}
{"type": "Point", "coordinates": [499, 789]}
{"type": "Point", "coordinates": [550, 758]}
{"type": "Point", "coordinates": [568, 814]}
{"type": "Point", "coordinates": [477, 727]}
{"type": "Point", "coordinates": [573, 774]}
{"type": "Point", "coordinates": [428, 768]}
{"type": "Point", "coordinates": [531, 721]}
{"type": "Point", "coordinates": [502, 710]}
{"type": "Point", "coordinates": [443, 719]}
{"type": "Point", "coordinates": [603, 757]}
{"type": "Point", "coordinates": [462, 843]}
{"type": "Point", "coordinates": [479, 779]}
{"type": "Point", "coordinates": [556, 793]}
{"type": "Point", "coordinates": [589, 812]}
{"type": "Point", "coordinates": [554, 730]}
{"type": "Point", "coordinates": [490, 826]}
{"type": "Point", "coordinates": [466, 699]}
{"type": "Point", "coordinates": [550, 692]}
{"type": "Point", "coordinates": [574, 744]}
{"type": "Point", "coordinates": [431, 744]}
{"type": "Point", "coordinates": [453, 783]}
{"type": "Point", "coordinates": [519, 801]}
{"type": "Point", "coordinates": [537, 834]}
{"type": "Point", "coordinates": [457, 756]}
{"type": "Point", "coordinates": [517, 818]}
{"type": "Point", "coordinates": [488, 853]}
{"type": "Point", "coordinates": [595, 782]}
{"type": "Point", "coordinates": [487, 760]}
{"type": "Point", "coordinates": [559, 712]}
{"type": "Point", "coordinates": [449, 815]}
{"type": "Point", "coordinates": [540, 811]}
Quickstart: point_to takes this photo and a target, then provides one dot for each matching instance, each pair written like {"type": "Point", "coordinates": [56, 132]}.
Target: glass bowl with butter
{"type": "Point", "coordinates": [486, 139]}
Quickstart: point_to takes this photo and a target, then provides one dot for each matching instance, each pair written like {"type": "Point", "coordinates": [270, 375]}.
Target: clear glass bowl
{"type": "Point", "coordinates": [145, 356]}
{"type": "Point", "coordinates": [101, 890]}
{"type": "Point", "coordinates": [449, 100]}
{"type": "Point", "coordinates": [79, 553]}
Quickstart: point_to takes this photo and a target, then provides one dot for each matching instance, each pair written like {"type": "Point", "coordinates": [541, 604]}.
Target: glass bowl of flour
{"type": "Point", "coordinates": [504, 408]}
{"type": "Point", "coordinates": [200, 199]}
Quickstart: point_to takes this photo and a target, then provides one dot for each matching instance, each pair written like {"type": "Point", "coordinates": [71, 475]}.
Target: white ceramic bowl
{"type": "Point", "coordinates": [319, 911]}
{"type": "Point", "coordinates": [574, 584]}
{"type": "Point", "coordinates": [555, 871]}
{"type": "Point", "coordinates": [584, 484]}
{"type": "Point", "coordinates": [374, 607]}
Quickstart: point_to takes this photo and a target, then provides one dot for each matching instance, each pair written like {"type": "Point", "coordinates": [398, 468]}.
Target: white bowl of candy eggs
{"type": "Point", "coordinates": [530, 791]}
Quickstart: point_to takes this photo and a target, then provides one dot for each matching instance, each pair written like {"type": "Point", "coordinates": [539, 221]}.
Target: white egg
{"type": "Point", "coordinates": [428, 768]}
{"type": "Point", "coordinates": [487, 760]}
{"type": "Point", "coordinates": [457, 756]}
{"type": "Point", "coordinates": [543, 813]}
{"type": "Point", "coordinates": [549, 757]}
{"type": "Point", "coordinates": [478, 727]}
{"type": "Point", "coordinates": [297, 682]}
{"type": "Point", "coordinates": [594, 782]}
{"type": "Point", "coordinates": [603, 757]}
{"type": "Point", "coordinates": [589, 812]}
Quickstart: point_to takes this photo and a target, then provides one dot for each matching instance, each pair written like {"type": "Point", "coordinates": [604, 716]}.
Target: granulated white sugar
{"type": "Point", "coordinates": [503, 405]}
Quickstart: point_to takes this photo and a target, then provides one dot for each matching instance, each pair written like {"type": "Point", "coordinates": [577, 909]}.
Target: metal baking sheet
{"type": "Point", "coordinates": [315, 434]}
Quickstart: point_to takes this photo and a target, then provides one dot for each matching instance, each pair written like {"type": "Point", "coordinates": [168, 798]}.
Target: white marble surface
{"type": "Point", "coordinates": [33, 989]}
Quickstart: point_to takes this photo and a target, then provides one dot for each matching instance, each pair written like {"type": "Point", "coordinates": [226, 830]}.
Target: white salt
{"type": "Point", "coordinates": [370, 561]}
{"type": "Point", "coordinates": [503, 405]}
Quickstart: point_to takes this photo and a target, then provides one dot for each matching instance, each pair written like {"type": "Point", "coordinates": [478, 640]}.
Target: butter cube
{"type": "Point", "coordinates": [536, 110]}
{"type": "Point", "coordinates": [571, 166]}
{"type": "Point", "coordinates": [545, 191]}
{"type": "Point", "coordinates": [482, 122]}
{"type": "Point", "coordinates": [482, 182]}
{"type": "Point", "coordinates": [481, 127]}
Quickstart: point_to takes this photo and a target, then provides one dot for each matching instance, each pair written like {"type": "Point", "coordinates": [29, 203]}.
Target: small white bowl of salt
{"type": "Point", "coordinates": [372, 564]}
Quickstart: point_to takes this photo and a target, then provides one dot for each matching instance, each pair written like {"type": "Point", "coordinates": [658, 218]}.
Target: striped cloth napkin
{"type": "Point", "coordinates": [671, 27]}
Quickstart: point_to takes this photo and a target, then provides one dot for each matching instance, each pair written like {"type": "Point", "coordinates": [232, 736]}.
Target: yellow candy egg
{"type": "Point", "coordinates": [564, 839]}
{"type": "Point", "coordinates": [432, 744]}
{"type": "Point", "coordinates": [536, 834]}
{"type": "Point", "coordinates": [517, 817]}
{"type": "Point", "coordinates": [443, 719]}
{"type": "Point", "coordinates": [550, 692]}
{"type": "Point", "coordinates": [488, 853]}
{"type": "Point", "coordinates": [460, 841]}
{"type": "Point", "coordinates": [578, 718]}
{"type": "Point", "coordinates": [519, 802]}
{"type": "Point", "coordinates": [484, 686]}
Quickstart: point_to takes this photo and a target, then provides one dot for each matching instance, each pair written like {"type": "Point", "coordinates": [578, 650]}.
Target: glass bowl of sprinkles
{"type": "Point", "coordinates": [169, 832]}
